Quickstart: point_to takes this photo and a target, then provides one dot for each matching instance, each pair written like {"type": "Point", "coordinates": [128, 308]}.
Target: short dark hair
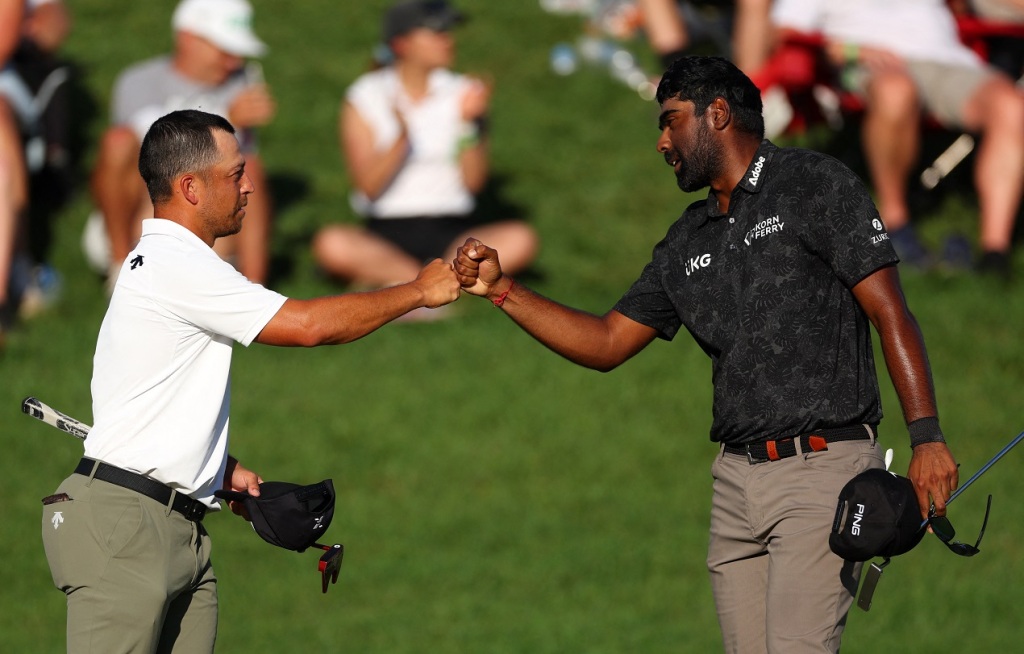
{"type": "Point", "coordinates": [701, 79]}
{"type": "Point", "coordinates": [180, 142]}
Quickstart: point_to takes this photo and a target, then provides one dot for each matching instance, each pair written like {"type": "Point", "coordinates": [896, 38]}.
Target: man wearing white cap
{"type": "Point", "coordinates": [206, 71]}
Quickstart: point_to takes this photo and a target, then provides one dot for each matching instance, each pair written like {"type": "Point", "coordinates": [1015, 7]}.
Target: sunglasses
{"type": "Point", "coordinates": [943, 528]}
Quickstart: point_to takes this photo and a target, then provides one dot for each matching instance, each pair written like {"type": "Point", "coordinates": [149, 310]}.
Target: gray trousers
{"type": "Point", "coordinates": [137, 575]}
{"type": "Point", "coordinates": [778, 587]}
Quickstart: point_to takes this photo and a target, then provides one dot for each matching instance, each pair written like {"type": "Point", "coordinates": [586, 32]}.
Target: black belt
{"type": "Point", "coordinates": [815, 441]}
{"type": "Point", "coordinates": [193, 510]}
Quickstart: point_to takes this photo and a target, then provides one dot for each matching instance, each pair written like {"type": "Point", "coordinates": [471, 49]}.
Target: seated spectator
{"type": "Point", "coordinates": [414, 138]}
{"type": "Point", "coordinates": [206, 71]}
{"type": "Point", "coordinates": [12, 164]}
{"type": "Point", "coordinates": [902, 57]}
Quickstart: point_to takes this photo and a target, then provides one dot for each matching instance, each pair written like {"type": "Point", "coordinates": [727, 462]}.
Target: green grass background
{"type": "Point", "coordinates": [491, 496]}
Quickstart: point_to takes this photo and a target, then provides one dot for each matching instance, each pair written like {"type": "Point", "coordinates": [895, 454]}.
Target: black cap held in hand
{"type": "Point", "coordinates": [288, 515]}
{"type": "Point", "coordinates": [877, 515]}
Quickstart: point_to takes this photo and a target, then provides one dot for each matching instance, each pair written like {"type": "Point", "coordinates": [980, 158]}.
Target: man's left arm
{"type": "Point", "coordinates": [932, 469]}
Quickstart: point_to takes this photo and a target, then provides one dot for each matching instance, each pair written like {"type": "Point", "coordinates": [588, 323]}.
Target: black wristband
{"type": "Point", "coordinates": [925, 430]}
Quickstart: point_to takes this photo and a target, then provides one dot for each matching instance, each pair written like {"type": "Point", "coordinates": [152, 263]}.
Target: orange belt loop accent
{"type": "Point", "coordinates": [817, 443]}
{"type": "Point", "coordinates": [773, 450]}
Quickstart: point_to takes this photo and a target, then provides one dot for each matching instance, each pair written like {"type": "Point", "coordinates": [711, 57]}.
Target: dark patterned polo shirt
{"type": "Point", "coordinates": [765, 291]}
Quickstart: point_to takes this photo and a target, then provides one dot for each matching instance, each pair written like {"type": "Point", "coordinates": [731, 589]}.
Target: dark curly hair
{"type": "Point", "coordinates": [702, 79]}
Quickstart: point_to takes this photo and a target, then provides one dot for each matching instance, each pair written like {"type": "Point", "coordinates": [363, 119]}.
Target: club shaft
{"type": "Point", "coordinates": [985, 467]}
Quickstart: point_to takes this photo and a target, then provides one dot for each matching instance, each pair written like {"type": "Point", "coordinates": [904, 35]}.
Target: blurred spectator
{"type": "Point", "coordinates": [903, 56]}
{"type": "Point", "coordinates": [672, 27]}
{"type": "Point", "coordinates": [46, 26]}
{"type": "Point", "coordinates": [206, 71]}
{"type": "Point", "coordinates": [12, 164]}
{"type": "Point", "coordinates": [46, 133]}
{"type": "Point", "coordinates": [414, 138]}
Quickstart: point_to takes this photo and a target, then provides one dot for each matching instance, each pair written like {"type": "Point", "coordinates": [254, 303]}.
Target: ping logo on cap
{"type": "Point", "coordinates": [857, 517]}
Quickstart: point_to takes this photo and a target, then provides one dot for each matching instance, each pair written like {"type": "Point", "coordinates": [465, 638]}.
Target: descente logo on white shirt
{"type": "Point", "coordinates": [696, 263]}
{"type": "Point", "coordinates": [756, 172]}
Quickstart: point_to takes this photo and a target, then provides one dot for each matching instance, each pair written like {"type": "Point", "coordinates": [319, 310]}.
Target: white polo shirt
{"type": "Point", "coordinates": [429, 183]}
{"type": "Point", "coordinates": [161, 385]}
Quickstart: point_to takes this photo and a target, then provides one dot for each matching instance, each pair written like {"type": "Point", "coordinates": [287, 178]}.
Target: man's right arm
{"type": "Point", "coordinates": [344, 318]}
{"type": "Point", "coordinates": [597, 342]}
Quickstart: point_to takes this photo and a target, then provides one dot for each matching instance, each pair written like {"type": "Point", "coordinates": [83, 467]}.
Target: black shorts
{"type": "Point", "coordinates": [424, 237]}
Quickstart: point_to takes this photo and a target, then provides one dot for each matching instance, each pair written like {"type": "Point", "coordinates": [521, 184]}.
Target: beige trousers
{"type": "Point", "coordinates": [137, 575]}
{"type": "Point", "coordinates": [778, 587]}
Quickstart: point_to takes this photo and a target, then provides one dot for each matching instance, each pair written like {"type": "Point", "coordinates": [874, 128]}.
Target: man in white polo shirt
{"type": "Point", "coordinates": [129, 549]}
{"type": "Point", "coordinates": [210, 68]}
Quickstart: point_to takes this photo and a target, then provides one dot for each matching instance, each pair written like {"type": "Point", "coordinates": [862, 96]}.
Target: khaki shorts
{"type": "Point", "coordinates": [944, 89]}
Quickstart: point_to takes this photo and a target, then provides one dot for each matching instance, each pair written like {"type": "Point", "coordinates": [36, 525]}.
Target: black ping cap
{"type": "Point", "coordinates": [288, 515]}
{"type": "Point", "coordinates": [877, 515]}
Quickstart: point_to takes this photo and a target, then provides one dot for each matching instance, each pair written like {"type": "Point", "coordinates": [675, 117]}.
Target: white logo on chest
{"type": "Point", "coordinates": [693, 264]}
{"type": "Point", "coordinates": [764, 228]}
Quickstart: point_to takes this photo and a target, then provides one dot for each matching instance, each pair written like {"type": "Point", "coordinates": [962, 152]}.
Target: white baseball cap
{"type": "Point", "coordinates": [225, 23]}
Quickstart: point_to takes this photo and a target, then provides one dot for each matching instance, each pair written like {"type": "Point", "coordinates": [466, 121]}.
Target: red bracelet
{"type": "Point", "coordinates": [500, 300]}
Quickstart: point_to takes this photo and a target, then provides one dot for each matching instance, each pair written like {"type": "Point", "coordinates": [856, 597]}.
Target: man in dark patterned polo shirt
{"type": "Point", "coordinates": [777, 275]}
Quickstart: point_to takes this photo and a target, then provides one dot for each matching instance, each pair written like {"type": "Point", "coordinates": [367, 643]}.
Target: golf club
{"type": "Point", "coordinates": [42, 411]}
{"type": "Point", "coordinates": [329, 565]}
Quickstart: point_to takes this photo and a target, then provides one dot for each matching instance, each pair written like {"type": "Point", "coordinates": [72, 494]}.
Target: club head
{"type": "Point", "coordinates": [330, 563]}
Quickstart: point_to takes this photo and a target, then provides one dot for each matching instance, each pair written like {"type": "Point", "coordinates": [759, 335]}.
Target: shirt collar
{"type": "Point", "coordinates": [753, 179]}
{"type": "Point", "coordinates": [751, 182]}
{"type": "Point", "coordinates": [162, 226]}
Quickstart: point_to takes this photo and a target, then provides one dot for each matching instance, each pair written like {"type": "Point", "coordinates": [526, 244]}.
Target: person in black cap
{"type": "Point", "coordinates": [414, 136]}
{"type": "Point", "coordinates": [778, 274]}
{"type": "Point", "coordinates": [123, 533]}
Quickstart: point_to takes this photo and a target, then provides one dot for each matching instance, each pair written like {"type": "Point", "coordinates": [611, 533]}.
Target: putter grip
{"type": "Point", "coordinates": [42, 411]}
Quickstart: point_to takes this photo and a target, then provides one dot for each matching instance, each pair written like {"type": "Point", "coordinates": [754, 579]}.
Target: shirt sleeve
{"type": "Point", "coordinates": [844, 227]}
{"type": "Point", "coordinates": [369, 96]}
{"type": "Point", "coordinates": [647, 303]}
{"type": "Point", "coordinates": [215, 297]}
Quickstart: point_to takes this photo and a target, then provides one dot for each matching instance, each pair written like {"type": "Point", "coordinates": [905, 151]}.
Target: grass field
{"type": "Point", "coordinates": [492, 497]}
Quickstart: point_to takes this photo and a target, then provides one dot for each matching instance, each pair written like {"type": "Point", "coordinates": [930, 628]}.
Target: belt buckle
{"type": "Point", "coordinates": [195, 511]}
{"type": "Point", "coordinates": [754, 460]}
